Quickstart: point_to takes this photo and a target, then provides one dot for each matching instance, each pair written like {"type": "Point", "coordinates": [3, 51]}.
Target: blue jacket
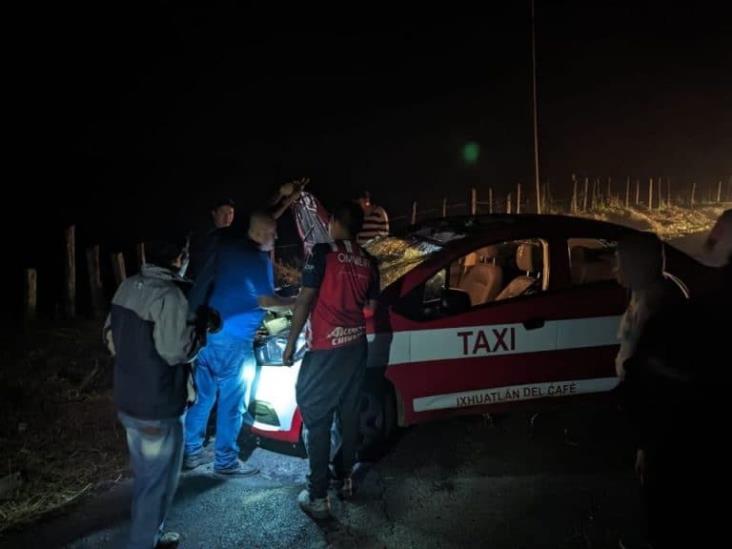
{"type": "Point", "coordinates": [235, 275]}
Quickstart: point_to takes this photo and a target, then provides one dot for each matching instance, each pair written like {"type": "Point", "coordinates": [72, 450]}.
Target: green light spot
{"type": "Point", "coordinates": [471, 151]}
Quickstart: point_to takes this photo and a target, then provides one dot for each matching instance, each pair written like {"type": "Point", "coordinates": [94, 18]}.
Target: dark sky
{"type": "Point", "coordinates": [139, 117]}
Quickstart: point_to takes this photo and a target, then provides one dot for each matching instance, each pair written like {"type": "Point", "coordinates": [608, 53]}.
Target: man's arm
{"type": "Point", "coordinates": [282, 201]}
{"type": "Point", "coordinates": [203, 286]}
{"type": "Point", "coordinates": [385, 218]}
{"type": "Point", "coordinates": [374, 286]}
{"type": "Point", "coordinates": [275, 302]}
{"type": "Point", "coordinates": [265, 292]}
{"type": "Point", "coordinates": [303, 306]}
{"type": "Point", "coordinates": [175, 337]}
{"type": "Point", "coordinates": [312, 277]}
{"type": "Point", "coordinates": [107, 335]}
{"type": "Point", "coordinates": [281, 206]}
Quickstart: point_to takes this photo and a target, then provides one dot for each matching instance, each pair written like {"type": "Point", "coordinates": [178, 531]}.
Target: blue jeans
{"type": "Point", "coordinates": [222, 372]}
{"type": "Point", "coordinates": [156, 452]}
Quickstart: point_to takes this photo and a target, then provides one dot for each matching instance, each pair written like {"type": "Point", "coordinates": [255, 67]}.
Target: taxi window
{"type": "Point", "coordinates": [495, 273]}
{"type": "Point", "coordinates": [591, 260]}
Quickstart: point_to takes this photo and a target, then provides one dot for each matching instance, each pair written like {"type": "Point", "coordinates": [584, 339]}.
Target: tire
{"type": "Point", "coordinates": [378, 422]}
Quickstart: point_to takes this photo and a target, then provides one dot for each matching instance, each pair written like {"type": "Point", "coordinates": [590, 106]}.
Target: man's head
{"type": "Point", "coordinates": [640, 261]}
{"type": "Point", "coordinates": [364, 200]}
{"type": "Point", "coordinates": [718, 246]}
{"type": "Point", "coordinates": [161, 253]}
{"type": "Point", "coordinates": [223, 213]}
{"type": "Point", "coordinates": [263, 230]}
{"type": "Point", "coordinates": [346, 221]}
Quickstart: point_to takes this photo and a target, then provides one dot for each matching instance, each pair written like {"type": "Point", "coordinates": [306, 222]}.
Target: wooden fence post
{"type": "Point", "coordinates": [95, 280]}
{"type": "Point", "coordinates": [70, 271]}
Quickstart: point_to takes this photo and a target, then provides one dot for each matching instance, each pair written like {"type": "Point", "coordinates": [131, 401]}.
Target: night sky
{"type": "Point", "coordinates": [138, 118]}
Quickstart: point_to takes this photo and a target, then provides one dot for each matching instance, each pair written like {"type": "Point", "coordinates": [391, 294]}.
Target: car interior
{"type": "Point", "coordinates": [494, 273]}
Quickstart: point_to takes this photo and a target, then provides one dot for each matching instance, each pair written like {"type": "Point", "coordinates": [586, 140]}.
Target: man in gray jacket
{"type": "Point", "coordinates": [148, 332]}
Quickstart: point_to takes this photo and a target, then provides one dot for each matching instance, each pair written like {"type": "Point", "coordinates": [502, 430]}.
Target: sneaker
{"type": "Point", "coordinates": [318, 508]}
{"type": "Point", "coordinates": [239, 469]}
{"type": "Point", "coordinates": [196, 460]}
{"type": "Point", "coordinates": [169, 540]}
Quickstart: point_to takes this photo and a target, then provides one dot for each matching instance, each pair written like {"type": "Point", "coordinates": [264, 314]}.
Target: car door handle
{"type": "Point", "coordinates": [534, 323]}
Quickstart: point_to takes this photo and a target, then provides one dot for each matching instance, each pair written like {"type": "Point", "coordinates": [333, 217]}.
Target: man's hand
{"type": "Point", "coordinates": [302, 309]}
{"type": "Point", "coordinates": [293, 187]}
{"type": "Point", "coordinates": [191, 392]}
{"type": "Point", "coordinates": [288, 357]}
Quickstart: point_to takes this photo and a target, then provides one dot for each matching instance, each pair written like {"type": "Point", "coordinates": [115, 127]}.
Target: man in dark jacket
{"type": "Point", "coordinates": [674, 394]}
{"type": "Point", "coordinates": [148, 332]}
{"type": "Point", "coordinates": [202, 245]}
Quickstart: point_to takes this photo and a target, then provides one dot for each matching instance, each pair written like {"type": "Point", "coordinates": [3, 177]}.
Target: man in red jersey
{"type": "Point", "coordinates": [339, 281]}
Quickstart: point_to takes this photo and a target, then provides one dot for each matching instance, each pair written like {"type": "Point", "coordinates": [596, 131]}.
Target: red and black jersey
{"type": "Point", "coordinates": [346, 278]}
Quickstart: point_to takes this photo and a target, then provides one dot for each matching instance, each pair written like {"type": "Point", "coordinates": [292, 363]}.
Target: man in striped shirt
{"type": "Point", "coordinates": [375, 220]}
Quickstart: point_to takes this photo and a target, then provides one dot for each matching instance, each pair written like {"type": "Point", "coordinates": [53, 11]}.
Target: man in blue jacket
{"type": "Point", "coordinates": [238, 282]}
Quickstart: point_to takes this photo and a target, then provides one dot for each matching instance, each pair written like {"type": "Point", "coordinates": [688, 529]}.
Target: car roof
{"type": "Point", "coordinates": [477, 228]}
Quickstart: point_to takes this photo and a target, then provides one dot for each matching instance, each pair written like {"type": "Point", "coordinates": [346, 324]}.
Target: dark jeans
{"type": "Point", "coordinates": [330, 382]}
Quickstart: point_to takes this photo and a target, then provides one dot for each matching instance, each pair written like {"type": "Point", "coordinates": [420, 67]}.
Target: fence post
{"type": "Point", "coordinates": [650, 194]}
{"type": "Point", "coordinates": [140, 254]}
{"type": "Point", "coordinates": [660, 193]}
{"type": "Point", "coordinates": [118, 266]}
{"type": "Point", "coordinates": [30, 294]}
{"type": "Point", "coordinates": [95, 280]}
{"type": "Point", "coordinates": [70, 264]}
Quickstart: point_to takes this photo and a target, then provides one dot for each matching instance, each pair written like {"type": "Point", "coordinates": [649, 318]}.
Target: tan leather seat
{"type": "Point", "coordinates": [456, 274]}
{"type": "Point", "coordinates": [484, 280]}
{"type": "Point", "coordinates": [519, 285]}
{"type": "Point", "coordinates": [460, 269]}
